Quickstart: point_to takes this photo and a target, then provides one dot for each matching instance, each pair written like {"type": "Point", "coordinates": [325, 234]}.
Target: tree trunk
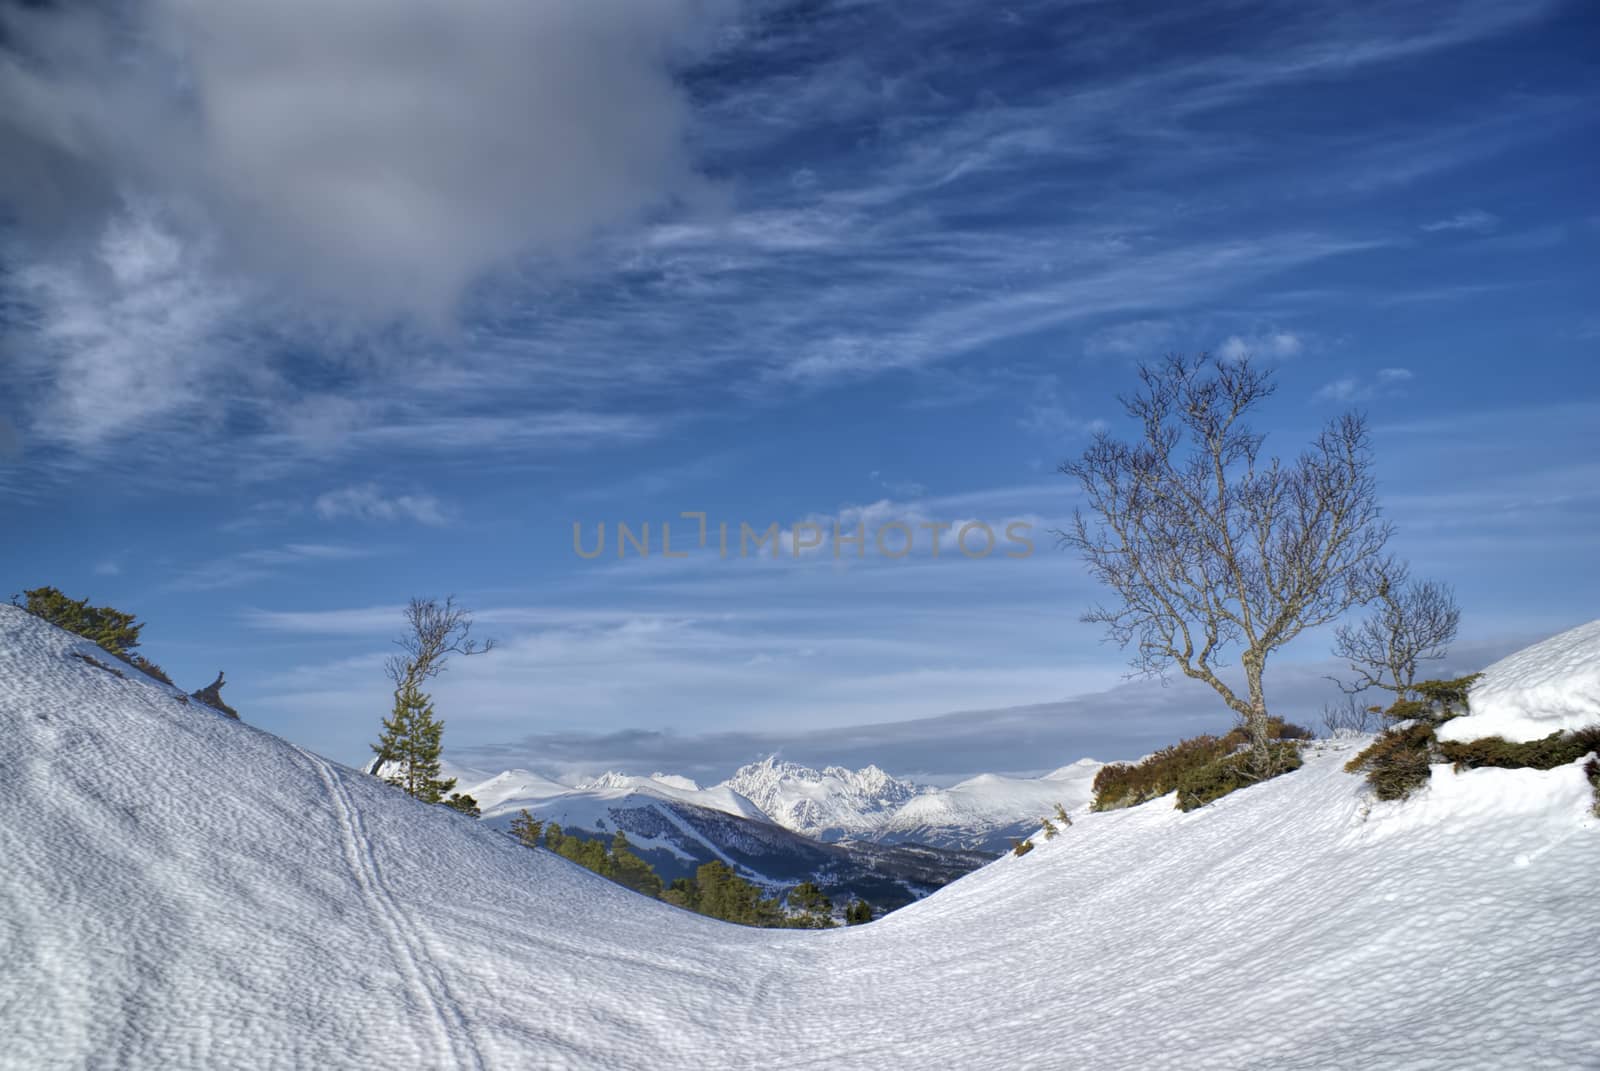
{"type": "Point", "coordinates": [1256, 721]}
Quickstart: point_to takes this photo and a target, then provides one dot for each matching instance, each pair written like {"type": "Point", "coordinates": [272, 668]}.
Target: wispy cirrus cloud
{"type": "Point", "coordinates": [1473, 220]}
{"type": "Point", "coordinates": [252, 566]}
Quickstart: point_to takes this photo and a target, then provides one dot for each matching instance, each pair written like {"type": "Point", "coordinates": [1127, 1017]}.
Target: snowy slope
{"type": "Point", "coordinates": [986, 812]}
{"type": "Point", "coordinates": [1547, 688]}
{"type": "Point", "coordinates": [184, 891]}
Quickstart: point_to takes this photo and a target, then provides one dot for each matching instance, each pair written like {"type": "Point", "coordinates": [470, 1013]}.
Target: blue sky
{"type": "Point", "coordinates": [308, 308]}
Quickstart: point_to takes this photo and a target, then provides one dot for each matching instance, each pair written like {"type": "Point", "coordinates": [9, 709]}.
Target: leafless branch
{"type": "Point", "coordinates": [1412, 622]}
{"type": "Point", "coordinates": [434, 632]}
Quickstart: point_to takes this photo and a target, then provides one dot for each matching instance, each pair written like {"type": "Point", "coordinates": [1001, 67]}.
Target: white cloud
{"type": "Point", "coordinates": [1384, 382]}
{"type": "Point", "coordinates": [1277, 345]}
{"type": "Point", "coordinates": [1474, 220]}
{"type": "Point", "coordinates": [366, 502]}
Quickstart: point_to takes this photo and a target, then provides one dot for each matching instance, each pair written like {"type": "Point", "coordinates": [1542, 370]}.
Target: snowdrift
{"type": "Point", "coordinates": [184, 891]}
{"type": "Point", "coordinates": [1553, 686]}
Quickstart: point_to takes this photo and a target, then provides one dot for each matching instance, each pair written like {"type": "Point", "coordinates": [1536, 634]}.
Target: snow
{"type": "Point", "coordinates": [981, 812]}
{"type": "Point", "coordinates": [185, 891]}
{"type": "Point", "coordinates": [1551, 687]}
{"type": "Point", "coordinates": [673, 787]}
{"type": "Point", "coordinates": [826, 804]}
{"type": "Point", "coordinates": [988, 810]}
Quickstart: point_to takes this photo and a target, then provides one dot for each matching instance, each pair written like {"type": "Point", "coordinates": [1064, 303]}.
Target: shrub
{"type": "Point", "coordinates": [106, 626]}
{"type": "Point", "coordinates": [1050, 830]}
{"type": "Point", "coordinates": [1021, 847]}
{"type": "Point", "coordinates": [464, 803]}
{"type": "Point", "coordinates": [1122, 784]}
{"type": "Point", "coordinates": [1396, 763]}
{"type": "Point", "coordinates": [1547, 753]}
{"type": "Point", "coordinates": [1198, 787]}
{"type": "Point", "coordinates": [1592, 768]}
{"type": "Point", "coordinates": [1440, 700]}
{"type": "Point", "coordinates": [150, 669]}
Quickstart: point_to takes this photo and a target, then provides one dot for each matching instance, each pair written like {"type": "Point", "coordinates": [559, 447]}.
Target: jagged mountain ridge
{"type": "Point", "coordinates": [981, 813]}
{"type": "Point", "coordinates": [829, 804]}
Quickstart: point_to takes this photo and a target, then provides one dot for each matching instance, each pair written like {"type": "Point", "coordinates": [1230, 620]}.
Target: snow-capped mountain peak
{"type": "Point", "coordinates": [827, 804]}
{"type": "Point", "coordinates": [616, 779]}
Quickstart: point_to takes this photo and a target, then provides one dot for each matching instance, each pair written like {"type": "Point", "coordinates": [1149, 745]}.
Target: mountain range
{"type": "Point", "coordinates": [858, 834]}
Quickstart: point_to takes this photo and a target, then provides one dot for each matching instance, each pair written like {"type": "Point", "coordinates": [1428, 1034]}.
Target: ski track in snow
{"type": "Point", "coordinates": [410, 950]}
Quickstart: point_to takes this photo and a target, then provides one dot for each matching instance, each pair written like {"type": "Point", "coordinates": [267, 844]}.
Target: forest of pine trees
{"type": "Point", "coordinates": [716, 889]}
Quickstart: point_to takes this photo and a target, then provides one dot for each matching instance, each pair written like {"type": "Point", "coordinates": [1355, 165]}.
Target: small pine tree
{"type": "Point", "coordinates": [465, 804]}
{"type": "Point", "coordinates": [1050, 829]}
{"type": "Point", "coordinates": [528, 829]}
{"type": "Point", "coordinates": [1062, 816]}
{"type": "Point", "coordinates": [411, 740]}
{"type": "Point", "coordinates": [857, 913]}
{"type": "Point", "coordinates": [631, 871]}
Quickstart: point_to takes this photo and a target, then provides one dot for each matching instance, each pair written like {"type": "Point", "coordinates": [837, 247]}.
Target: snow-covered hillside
{"type": "Point", "coordinates": [184, 891]}
{"type": "Point", "coordinates": [988, 811]}
{"type": "Point", "coordinates": [1551, 687]}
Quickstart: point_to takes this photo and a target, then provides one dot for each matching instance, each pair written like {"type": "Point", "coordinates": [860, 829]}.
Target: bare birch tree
{"type": "Point", "coordinates": [434, 631]}
{"type": "Point", "coordinates": [1208, 545]}
{"type": "Point", "coordinates": [1412, 622]}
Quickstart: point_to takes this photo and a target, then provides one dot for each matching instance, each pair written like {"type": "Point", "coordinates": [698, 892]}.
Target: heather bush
{"type": "Point", "coordinates": [1198, 787]}
{"type": "Point", "coordinates": [1546, 753]}
{"type": "Point", "coordinates": [1396, 763]}
{"type": "Point", "coordinates": [1123, 784]}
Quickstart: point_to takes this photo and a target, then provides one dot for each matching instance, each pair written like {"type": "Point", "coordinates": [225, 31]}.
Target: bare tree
{"type": "Point", "coordinates": [1412, 622]}
{"type": "Point", "coordinates": [434, 632]}
{"type": "Point", "coordinates": [1349, 715]}
{"type": "Point", "coordinates": [1208, 545]}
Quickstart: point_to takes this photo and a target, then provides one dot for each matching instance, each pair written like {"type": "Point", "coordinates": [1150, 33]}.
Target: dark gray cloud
{"type": "Point", "coordinates": [382, 153]}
